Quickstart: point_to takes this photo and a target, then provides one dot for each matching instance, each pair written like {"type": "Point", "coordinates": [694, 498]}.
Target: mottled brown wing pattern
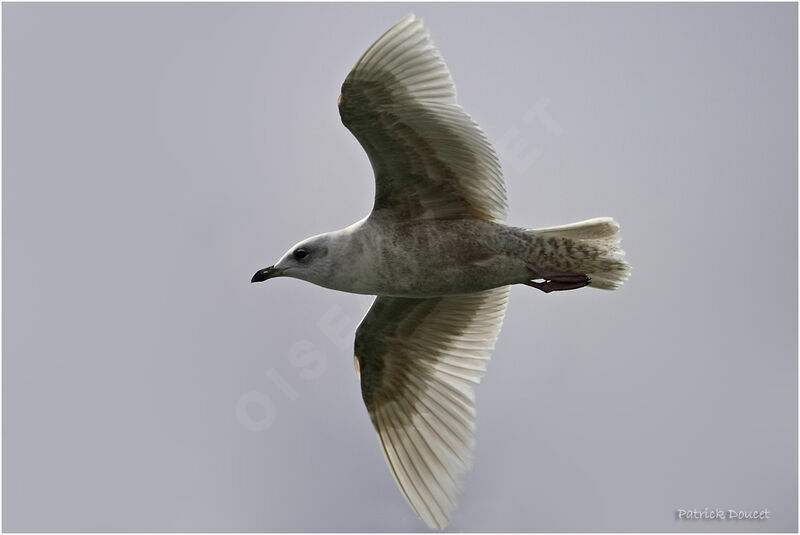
{"type": "Point", "coordinates": [418, 360]}
{"type": "Point", "coordinates": [429, 158]}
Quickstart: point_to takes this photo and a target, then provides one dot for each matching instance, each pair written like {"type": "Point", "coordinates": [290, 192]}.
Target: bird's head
{"type": "Point", "coordinates": [308, 260]}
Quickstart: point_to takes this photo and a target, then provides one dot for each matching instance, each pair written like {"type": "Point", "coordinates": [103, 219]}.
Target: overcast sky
{"type": "Point", "coordinates": [156, 155]}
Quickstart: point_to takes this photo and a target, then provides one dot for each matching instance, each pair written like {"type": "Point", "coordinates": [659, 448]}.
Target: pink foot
{"type": "Point", "coordinates": [555, 281]}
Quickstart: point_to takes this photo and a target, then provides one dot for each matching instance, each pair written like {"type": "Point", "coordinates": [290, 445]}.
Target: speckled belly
{"type": "Point", "coordinates": [430, 258]}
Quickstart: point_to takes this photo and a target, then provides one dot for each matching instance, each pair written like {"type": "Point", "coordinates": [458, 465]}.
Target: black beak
{"type": "Point", "coordinates": [264, 274]}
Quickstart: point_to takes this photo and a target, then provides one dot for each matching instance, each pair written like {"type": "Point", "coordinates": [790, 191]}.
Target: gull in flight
{"type": "Point", "coordinates": [438, 257]}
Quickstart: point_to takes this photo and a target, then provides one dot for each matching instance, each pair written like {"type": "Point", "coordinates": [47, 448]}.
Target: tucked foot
{"type": "Point", "coordinates": [556, 286]}
{"type": "Point", "coordinates": [555, 281]}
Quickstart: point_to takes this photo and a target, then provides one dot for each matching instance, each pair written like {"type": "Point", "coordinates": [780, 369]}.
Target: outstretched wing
{"type": "Point", "coordinates": [431, 161]}
{"type": "Point", "coordinates": [417, 360]}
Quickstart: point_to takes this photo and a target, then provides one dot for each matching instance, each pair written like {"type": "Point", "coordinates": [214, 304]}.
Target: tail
{"type": "Point", "coordinates": [588, 247]}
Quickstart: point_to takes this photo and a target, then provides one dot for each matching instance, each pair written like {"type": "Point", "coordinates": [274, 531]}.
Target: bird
{"type": "Point", "coordinates": [436, 252]}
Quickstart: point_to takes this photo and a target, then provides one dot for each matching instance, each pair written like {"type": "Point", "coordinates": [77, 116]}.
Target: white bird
{"type": "Point", "coordinates": [435, 252]}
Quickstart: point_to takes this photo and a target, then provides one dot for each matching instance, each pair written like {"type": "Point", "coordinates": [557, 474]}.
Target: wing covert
{"type": "Point", "coordinates": [430, 159]}
{"type": "Point", "coordinates": [418, 360]}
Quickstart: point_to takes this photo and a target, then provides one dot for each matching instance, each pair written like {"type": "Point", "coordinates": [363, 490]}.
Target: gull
{"type": "Point", "coordinates": [436, 253]}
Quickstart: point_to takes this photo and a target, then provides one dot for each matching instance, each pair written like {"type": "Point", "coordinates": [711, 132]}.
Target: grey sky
{"type": "Point", "coordinates": [155, 156]}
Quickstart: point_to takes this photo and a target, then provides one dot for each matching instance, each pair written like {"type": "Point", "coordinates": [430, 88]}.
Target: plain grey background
{"type": "Point", "coordinates": [156, 155]}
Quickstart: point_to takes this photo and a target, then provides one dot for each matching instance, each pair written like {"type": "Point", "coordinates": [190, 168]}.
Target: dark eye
{"type": "Point", "coordinates": [300, 254]}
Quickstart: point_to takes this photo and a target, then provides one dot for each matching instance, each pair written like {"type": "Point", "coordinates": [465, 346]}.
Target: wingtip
{"type": "Point", "coordinates": [412, 19]}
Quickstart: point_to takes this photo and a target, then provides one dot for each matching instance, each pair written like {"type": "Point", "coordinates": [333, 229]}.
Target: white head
{"type": "Point", "coordinates": [309, 260]}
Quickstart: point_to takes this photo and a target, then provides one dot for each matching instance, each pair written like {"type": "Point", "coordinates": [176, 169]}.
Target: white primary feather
{"type": "Point", "coordinates": [430, 159]}
{"type": "Point", "coordinates": [418, 360]}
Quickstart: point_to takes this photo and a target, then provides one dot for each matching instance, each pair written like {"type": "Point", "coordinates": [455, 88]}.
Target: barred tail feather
{"type": "Point", "coordinates": [590, 247]}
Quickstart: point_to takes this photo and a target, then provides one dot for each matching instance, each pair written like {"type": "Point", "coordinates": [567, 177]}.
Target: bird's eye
{"type": "Point", "coordinates": [300, 254]}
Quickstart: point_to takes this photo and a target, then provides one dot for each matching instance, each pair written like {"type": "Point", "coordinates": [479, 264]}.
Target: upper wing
{"type": "Point", "coordinates": [417, 360]}
{"type": "Point", "coordinates": [430, 159]}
